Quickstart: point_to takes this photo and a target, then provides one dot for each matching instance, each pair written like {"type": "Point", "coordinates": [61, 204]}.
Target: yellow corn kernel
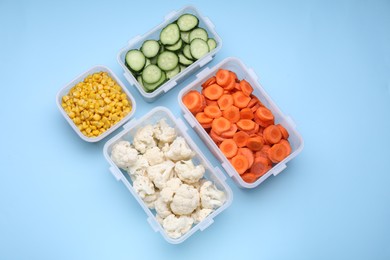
{"type": "Point", "coordinates": [96, 117]}
{"type": "Point", "coordinates": [95, 132]}
{"type": "Point", "coordinates": [88, 130]}
{"type": "Point", "coordinates": [71, 114]}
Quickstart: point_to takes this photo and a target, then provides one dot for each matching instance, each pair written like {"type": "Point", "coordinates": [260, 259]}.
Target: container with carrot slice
{"type": "Point", "coordinates": [249, 134]}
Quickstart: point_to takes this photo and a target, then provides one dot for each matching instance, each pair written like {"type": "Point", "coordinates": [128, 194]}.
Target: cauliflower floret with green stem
{"type": "Point", "coordinates": [123, 154]}
{"type": "Point", "coordinates": [179, 150]}
{"type": "Point", "coordinates": [188, 172]}
{"type": "Point", "coordinates": [177, 226]}
{"type": "Point", "coordinates": [210, 196]}
{"type": "Point", "coordinates": [143, 139]}
{"type": "Point", "coordinates": [185, 200]}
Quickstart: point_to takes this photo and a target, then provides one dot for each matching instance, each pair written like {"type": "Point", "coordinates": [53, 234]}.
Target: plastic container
{"type": "Point", "coordinates": [136, 42]}
{"type": "Point", "coordinates": [212, 173]}
{"type": "Point", "coordinates": [80, 78]}
{"type": "Point", "coordinates": [242, 72]}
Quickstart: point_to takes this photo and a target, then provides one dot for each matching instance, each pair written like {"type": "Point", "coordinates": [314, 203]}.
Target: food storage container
{"type": "Point", "coordinates": [242, 72]}
{"type": "Point", "coordinates": [80, 78]}
{"type": "Point", "coordinates": [136, 42]}
{"type": "Point", "coordinates": [213, 174]}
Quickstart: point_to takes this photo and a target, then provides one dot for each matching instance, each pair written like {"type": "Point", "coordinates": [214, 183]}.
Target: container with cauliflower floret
{"type": "Point", "coordinates": [169, 175]}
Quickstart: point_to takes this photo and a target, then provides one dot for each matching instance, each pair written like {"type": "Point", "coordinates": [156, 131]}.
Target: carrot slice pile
{"type": "Point", "coordinates": [239, 124]}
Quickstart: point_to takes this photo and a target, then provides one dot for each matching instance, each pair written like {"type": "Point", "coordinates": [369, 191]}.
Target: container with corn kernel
{"type": "Point", "coordinates": [95, 103]}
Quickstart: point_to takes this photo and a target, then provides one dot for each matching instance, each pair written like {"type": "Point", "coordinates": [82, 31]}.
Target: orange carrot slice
{"type": "Point", "coordinates": [255, 143]}
{"type": "Point", "coordinates": [232, 114]}
{"type": "Point", "coordinates": [240, 163]}
{"type": "Point", "coordinates": [240, 100]}
{"type": "Point", "coordinates": [248, 154]}
{"type": "Point", "coordinates": [225, 101]}
{"type": "Point", "coordinates": [212, 111]}
{"type": "Point", "coordinates": [230, 133]}
{"type": "Point", "coordinates": [241, 138]}
{"type": "Point", "coordinates": [221, 125]}
{"type": "Point", "coordinates": [229, 148]}
{"type": "Point", "coordinates": [213, 92]}
{"type": "Point", "coordinates": [209, 82]}
{"type": "Point", "coordinates": [246, 125]}
{"type": "Point", "coordinates": [272, 134]}
{"type": "Point", "coordinates": [246, 88]}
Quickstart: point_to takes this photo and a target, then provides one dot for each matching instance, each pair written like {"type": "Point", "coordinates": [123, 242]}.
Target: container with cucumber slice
{"type": "Point", "coordinates": [180, 44]}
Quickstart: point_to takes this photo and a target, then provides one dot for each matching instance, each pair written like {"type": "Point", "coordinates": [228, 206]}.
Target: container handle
{"type": "Point", "coordinates": [153, 223]}
{"type": "Point", "coordinates": [278, 168]}
{"type": "Point", "coordinates": [206, 223]}
{"type": "Point", "coordinates": [203, 73]}
{"type": "Point", "coordinates": [128, 78]}
{"type": "Point", "coordinates": [208, 22]}
{"type": "Point", "coordinates": [169, 86]}
{"type": "Point", "coordinates": [116, 173]}
{"type": "Point", "coordinates": [181, 124]}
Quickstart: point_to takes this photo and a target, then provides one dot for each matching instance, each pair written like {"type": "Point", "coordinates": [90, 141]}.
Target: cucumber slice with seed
{"type": "Point", "coordinates": [185, 36]}
{"type": "Point", "coordinates": [198, 48]}
{"type": "Point", "coordinates": [212, 44]}
{"type": "Point", "coordinates": [167, 60]}
{"type": "Point", "coordinates": [150, 48]}
{"type": "Point", "coordinates": [187, 52]}
{"type": "Point", "coordinates": [183, 60]}
{"type": "Point", "coordinates": [151, 74]}
{"type": "Point", "coordinates": [175, 47]}
{"type": "Point", "coordinates": [187, 22]}
{"type": "Point", "coordinates": [135, 60]}
{"type": "Point", "coordinates": [174, 72]}
{"type": "Point", "coordinates": [170, 34]}
{"type": "Point", "coordinates": [152, 87]}
{"type": "Point", "coordinates": [198, 33]}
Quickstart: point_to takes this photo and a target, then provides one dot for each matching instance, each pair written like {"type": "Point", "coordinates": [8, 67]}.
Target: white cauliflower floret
{"type": "Point", "coordinates": [170, 189]}
{"type": "Point", "coordinates": [187, 171]}
{"type": "Point", "coordinates": [177, 226]}
{"type": "Point", "coordinates": [154, 155]}
{"type": "Point", "coordinates": [159, 219]}
{"type": "Point", "coordinates": [164, 147]}
{"type": "Point", "coordinates": [162, 207]}
{"type": "Point", "coordinates": [123, 155]}
{"type": "Point", "coordinates": [139, 168]}
{"type": "Point", "coordinates": [200, 214]}
{"type": "Point", "coordinates": [179, 150]}
{"type": "Point", "coordinates": [210, 196]}
{"type": "Point", "coordinates": [161, 173]}
{"type": "Point", "coordinates": [185, 200]}
{"type": "Point", "coordinates": [143, 186]}
{"type": "Point", "coordinates": [143, 139]}
{"type": "Point", "coordinates": [151, 199]}
{"type": "Point", "coordinates": [163, 132]}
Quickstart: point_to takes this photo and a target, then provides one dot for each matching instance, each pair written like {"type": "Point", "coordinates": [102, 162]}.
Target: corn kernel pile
{"type": "Point", "coordinates": [96, 104]}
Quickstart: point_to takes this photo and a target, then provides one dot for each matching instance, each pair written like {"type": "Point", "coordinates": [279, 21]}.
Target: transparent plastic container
{"type": "Point", "coordinates": [213, 174]}
{"type": "Point", "coordinates": [242, 72]}
{"type": "Point", "coordinates": [80, 78]}
{"type": "Point", "coordinates": [136, 43]}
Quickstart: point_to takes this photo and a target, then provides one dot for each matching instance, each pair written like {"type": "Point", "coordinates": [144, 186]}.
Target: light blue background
{"type": "Point", "coordinates": [325, 63]}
